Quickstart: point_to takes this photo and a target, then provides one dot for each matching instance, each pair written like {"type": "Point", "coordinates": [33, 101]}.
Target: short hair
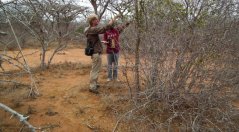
{"type": "Point", "coordinates": [91, 17]}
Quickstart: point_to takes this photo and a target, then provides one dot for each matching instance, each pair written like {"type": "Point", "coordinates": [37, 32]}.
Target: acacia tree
{"type": "Point", "coordinates": [48, 21]}
{"type": "Point", "coordinates": [19, 60]}
{"type": "Point", "coordinates": [63, 14]}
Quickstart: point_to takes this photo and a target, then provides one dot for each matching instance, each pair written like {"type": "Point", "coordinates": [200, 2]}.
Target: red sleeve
{"type": "Point", "coordinates": [105, 37]}
{"type": "Point", "coordinates": [120, 28]}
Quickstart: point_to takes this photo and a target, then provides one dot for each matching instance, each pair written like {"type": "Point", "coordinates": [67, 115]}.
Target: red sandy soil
{"type": "Point", "coordinates": [64, 104]}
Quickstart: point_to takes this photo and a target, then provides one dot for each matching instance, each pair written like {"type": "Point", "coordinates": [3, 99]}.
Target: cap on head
{"type": "Point", "coordinates": [91, 17]}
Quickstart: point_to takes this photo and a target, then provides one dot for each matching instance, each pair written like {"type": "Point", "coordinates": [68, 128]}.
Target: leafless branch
{"type": "Point", "coordinates": [19, 116]}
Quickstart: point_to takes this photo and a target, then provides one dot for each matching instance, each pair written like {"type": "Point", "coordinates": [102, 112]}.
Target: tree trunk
{"type": "Point", "coordinates": [43, 57]}
{"type": "Point", "coordinates": [137, 60]}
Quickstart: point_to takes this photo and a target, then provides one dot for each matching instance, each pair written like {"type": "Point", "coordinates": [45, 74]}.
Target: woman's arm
{"type": "Point", "coordinates": [122, 27]}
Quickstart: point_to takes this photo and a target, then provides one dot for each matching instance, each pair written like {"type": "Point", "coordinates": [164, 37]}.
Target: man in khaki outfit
{"type": "Point", "coordinates": [92, 33]}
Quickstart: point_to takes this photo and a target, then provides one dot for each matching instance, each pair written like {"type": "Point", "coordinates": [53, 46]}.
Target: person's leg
{"type": "Point", "coordinates": [99, 64]}
{"type": "Point", "coordinates": [115, 69]}
{"type": "Point", "coordinates": [109, 67]}
{"type": "Point", "coordinates": [96, 65]}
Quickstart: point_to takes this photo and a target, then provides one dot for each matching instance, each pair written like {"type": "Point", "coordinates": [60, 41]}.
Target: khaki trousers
{"type": "Point", "coordinates": [96, 66]}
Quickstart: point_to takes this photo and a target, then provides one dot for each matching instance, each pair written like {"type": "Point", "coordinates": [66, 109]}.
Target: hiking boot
{"type": "Point", "coordinates": [94, 91]}
{"type": "Point", "coordinates": [116, 79]}
{"type": "Point", "coordinates": [108, 80]}
{"type": "Point", "coordinates": [97, 86]}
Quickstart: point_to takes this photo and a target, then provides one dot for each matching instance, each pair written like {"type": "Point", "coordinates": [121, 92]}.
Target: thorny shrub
{"type": "Point", "coordinates": [189, 68]}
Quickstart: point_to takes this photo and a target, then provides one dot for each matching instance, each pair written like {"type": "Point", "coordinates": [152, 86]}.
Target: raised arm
{"type": "Point", "coordinates": [121, 28]}
{"type": "Point", "coordinates": [100, 29]}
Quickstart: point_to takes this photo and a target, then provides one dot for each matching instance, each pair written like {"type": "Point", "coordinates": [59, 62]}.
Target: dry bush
{"type": "Point", "coordinates": [189, 68]}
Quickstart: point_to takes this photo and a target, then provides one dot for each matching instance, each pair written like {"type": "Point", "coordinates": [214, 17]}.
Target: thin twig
{"type": "Point", "coordinates": [214, 125]}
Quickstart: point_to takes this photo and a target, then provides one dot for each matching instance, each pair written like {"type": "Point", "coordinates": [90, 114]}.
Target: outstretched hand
{"type": "Point", "coordinates": [104, 42]}
{"type": "Point", "coordinates": [128, 22]}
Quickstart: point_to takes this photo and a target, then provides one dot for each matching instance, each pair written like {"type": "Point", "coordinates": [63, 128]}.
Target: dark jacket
{"type": "Point", "coordinates": [92, 34]}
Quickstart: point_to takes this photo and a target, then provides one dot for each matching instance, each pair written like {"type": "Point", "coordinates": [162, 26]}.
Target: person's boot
{"type": "Point", "coordinates": [97, 86]}
{"type": "Point", "coordinates": [94, 91]}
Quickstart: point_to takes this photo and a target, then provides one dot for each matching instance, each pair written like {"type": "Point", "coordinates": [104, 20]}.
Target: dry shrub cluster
{"type": "Point", "coordinates": [189, 67]}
